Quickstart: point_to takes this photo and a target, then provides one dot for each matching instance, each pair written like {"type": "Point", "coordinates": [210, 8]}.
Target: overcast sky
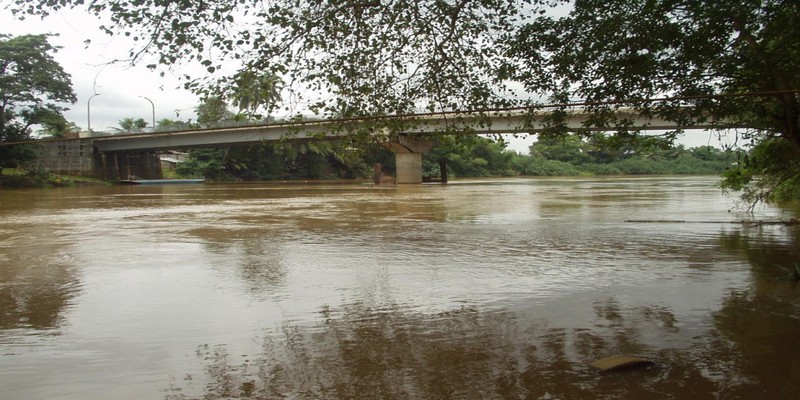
{"type": "Point", "coordinates": [122, 87]}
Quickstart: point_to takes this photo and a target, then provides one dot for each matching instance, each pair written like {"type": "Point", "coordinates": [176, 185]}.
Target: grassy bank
{"type": "Point", "coordinates": [18, 178]}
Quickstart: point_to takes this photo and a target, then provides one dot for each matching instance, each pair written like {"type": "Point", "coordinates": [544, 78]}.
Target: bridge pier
{"type": "Point", "coordinates": [409, 167]}
{"type": "Point", "coordinates": [408, 158]}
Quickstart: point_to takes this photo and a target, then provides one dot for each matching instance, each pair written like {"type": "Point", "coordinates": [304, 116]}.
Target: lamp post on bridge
{"type": "Point", "coordinates": [153, 107]}
{"type": "Point", "coordinates": [89, 113]}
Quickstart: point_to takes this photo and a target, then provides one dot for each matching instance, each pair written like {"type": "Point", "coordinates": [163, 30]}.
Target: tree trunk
{"type": "Point", "coordinates": [791, 121]}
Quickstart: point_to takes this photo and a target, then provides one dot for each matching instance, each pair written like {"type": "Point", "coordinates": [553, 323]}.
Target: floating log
{"type": "Point", "coordinates": [621, 362]}
{"type": "Point", "coordinates": [681, 221]}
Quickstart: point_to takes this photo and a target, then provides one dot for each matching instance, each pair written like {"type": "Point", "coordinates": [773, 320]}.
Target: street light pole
{"type": "Point", "coordinates": [89, 113]}
{"type": "Point", "coordinates": [153, 107]}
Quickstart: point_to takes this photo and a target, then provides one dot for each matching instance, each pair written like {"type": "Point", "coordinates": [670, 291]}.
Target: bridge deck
{"type": "Point", "coordinates": [424, 124]}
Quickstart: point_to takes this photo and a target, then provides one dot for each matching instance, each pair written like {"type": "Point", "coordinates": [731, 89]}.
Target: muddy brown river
{"type": "Point", "coordinates": [484, 289]}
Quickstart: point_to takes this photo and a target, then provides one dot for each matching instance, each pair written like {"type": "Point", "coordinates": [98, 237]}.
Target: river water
{"type": "Point", "coordinates": [474, 289]}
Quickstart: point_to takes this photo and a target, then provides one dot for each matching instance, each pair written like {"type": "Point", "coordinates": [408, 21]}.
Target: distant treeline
{"type": "Point", "coordinates": [465, 156]}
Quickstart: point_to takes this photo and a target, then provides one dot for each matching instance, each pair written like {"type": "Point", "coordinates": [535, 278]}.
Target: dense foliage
{"type": "Point", "coordinates": [727, 60]}
{"type": "Point", "coordinates": [576, 157]}
{"type": "Point", "coordinates": [33, 89]}
{"type": "Point", "coordinates": [131, 125]}
{"type": "Point", "coordinates": [770, 172]}
{"type": "Point", "coordinates": [272, 161]}
{"type": "Point", "coordinates": [283, 161]}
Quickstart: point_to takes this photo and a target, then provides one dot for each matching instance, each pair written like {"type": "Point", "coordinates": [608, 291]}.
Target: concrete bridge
{"type": "Point", "coordinates": [119, 156]}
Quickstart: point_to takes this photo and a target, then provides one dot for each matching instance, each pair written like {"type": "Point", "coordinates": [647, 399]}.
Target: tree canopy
{"type": "Point", "coordinates": [357, 57]}
{"type": "Point", "coordinates": [212, 110]}
{"type": "Point", "coordinates": [131, 125]}
{"type": "Point", "coordinates": [252, 92]}
{"type": "Point", "coordinates": [33, 87]}
{"type": "Point", "coordinates": [730, 61]}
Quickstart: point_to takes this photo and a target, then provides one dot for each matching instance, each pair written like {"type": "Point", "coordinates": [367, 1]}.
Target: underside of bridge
{"type": "Point", "coordinates": [127, 165]}
{"type": "Point", "coordinates": [84, 157]}
{"type": "Point", "coordinates": [145, 165]}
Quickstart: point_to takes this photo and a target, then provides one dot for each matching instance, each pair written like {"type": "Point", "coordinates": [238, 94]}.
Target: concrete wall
{"type": "Point", "coordinates": [68, 157]}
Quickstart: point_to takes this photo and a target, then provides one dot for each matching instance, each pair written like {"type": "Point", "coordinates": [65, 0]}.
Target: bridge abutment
{"type": "Point", "coordinates": [68, 157]}
{"type": "Point", "coordinates": [79, 157]}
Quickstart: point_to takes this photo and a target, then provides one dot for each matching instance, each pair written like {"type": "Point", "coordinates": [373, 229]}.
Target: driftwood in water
{"type": "Point", "coordinates": [618, 362]}
{"type": "Point", "coordinates": [789, 222]}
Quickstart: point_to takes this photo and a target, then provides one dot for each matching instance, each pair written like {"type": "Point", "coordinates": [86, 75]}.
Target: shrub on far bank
{"type": "Point", "coordinates": [537, 166]}
{"type": "Point", "coordinates": [602, 169]}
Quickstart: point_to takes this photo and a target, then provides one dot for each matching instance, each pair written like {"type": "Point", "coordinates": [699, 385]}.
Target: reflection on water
{"type": "Point", "coordinates": [36, 281]}
{"type": "Point", "coordinates": [360, 352]}
{"type": "Point", "coordinates": [486, 289]}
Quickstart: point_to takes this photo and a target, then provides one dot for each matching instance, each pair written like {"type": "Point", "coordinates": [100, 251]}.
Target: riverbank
{"type": "Point", "coordinates": [16, 178]}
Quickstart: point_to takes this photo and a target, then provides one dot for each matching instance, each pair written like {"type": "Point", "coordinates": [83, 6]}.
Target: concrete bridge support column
{"type": "Point", "coordinates": [408, 158]}
{"type": "Point", "coordinates": [409, 167]}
